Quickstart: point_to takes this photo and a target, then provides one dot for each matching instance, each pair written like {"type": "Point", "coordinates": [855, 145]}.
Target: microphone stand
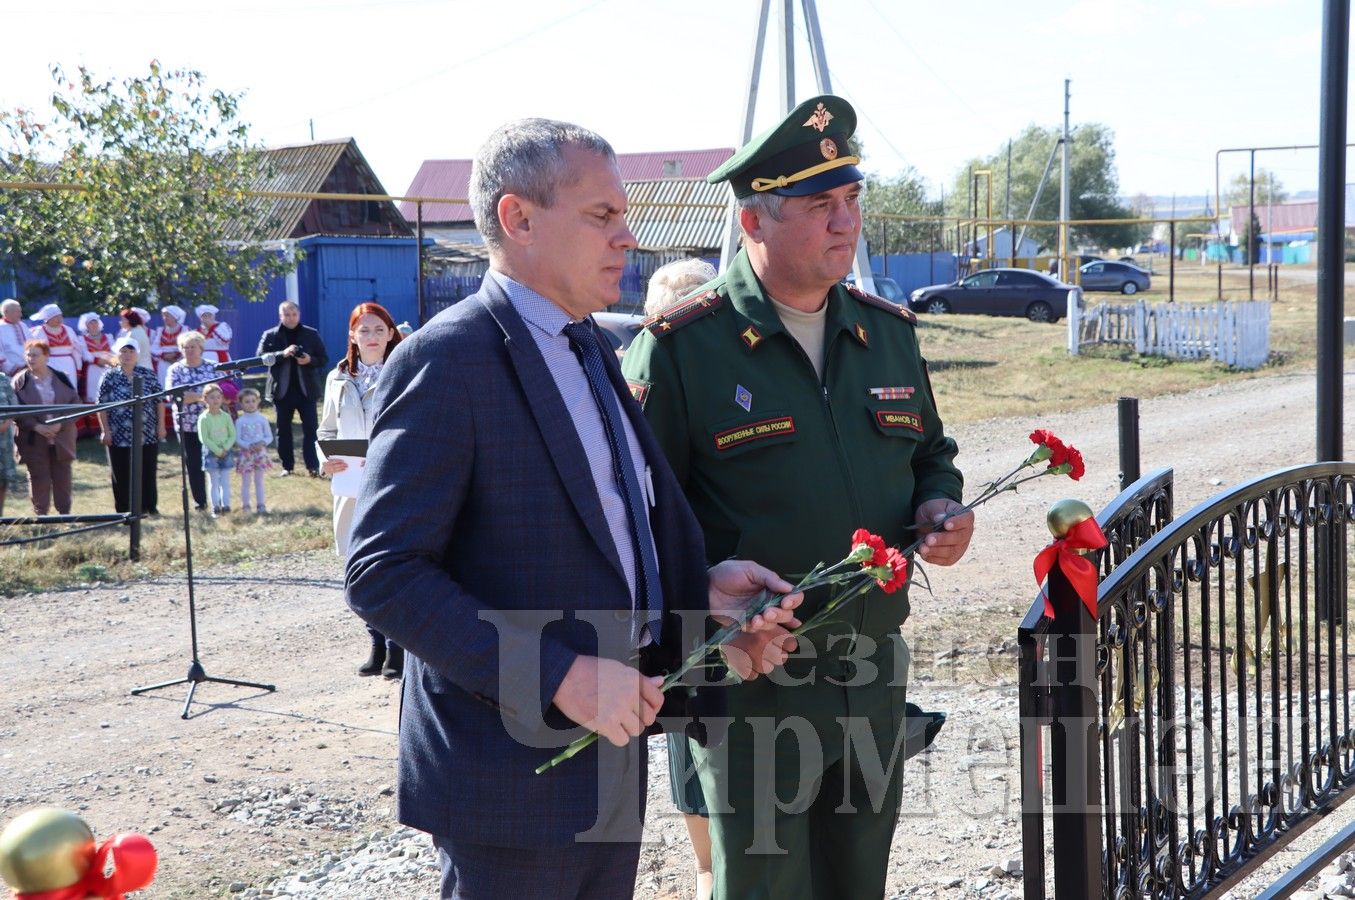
{"type": "Point", "coordinates": [197, 674]}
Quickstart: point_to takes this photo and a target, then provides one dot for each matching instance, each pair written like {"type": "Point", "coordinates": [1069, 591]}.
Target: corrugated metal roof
{"type": "Point", "coordinates": [305, 167]}
{"type": "Point", "coordinates": [440, 178]}
{"type": "Point", "coordinates": [451, 178]}
{"type": "Point", "coordinates": [671, 163]}
{"type": "Point", "coordinates": [677, 214]}
{"type": "Point", "coordinates": [1282, 217]}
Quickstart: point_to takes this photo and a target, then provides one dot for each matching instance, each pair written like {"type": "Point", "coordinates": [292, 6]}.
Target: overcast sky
{"type": "Point", "coordinates": [933, 83]}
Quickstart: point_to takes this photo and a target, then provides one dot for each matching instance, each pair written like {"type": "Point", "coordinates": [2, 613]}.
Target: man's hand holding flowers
{"type": "Point", "coordinates": [944, 544]}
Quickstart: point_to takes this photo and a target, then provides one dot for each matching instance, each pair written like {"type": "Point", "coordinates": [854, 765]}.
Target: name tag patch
{"type": "Point", "coordinates": [888, 418]}
{"type": "Point", "coordinates": [753, 431]}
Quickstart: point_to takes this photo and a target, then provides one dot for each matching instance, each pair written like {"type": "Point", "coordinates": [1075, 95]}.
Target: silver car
{"type": "Point", "coordinates": [1104, 275]}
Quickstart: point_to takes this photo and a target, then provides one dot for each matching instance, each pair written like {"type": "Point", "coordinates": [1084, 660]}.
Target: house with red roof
{"type": "Point", "coordinates": [449, 180]}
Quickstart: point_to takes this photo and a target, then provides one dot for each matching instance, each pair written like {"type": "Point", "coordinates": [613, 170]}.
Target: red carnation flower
{"type": "Point", "coordinates": [1047, 438]}
{"type": "Point", "coordinates": [1075, 461]}
{"type": "Point", "coordinates": [898, 564]}
{"type": "Point", "coordinates": [876, 544]}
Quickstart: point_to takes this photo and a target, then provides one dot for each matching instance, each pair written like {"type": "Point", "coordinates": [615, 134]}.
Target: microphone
{"type": "Point", "coordinates": [234, 365]}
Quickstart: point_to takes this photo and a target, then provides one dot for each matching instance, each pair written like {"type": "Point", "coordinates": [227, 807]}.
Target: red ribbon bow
{"type": "Point", "coordinates": [1079, 570]}
{"type": "Point", "coordinates": [133, 862]}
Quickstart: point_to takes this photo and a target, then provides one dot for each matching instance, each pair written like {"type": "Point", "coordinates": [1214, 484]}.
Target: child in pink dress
{"type": "Point", "coordinates": [252, 437]}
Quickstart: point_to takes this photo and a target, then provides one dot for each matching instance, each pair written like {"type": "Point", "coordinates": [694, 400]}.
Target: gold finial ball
{"type": "Point", "coordinates": [1066, 513]}
{"type": "Point", "coordinates": [45, 849]}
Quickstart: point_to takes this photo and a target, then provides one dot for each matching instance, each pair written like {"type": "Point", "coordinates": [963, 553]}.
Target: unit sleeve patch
{"type": "Point", "coordinates": [754, 431]}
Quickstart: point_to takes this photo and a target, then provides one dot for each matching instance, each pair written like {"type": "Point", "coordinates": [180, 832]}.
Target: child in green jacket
{"type": "Point", "coordinates": [216, 430]}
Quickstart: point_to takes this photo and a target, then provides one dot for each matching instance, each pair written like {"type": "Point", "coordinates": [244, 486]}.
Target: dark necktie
{"type": "Point", "coordinates": [648, 594]}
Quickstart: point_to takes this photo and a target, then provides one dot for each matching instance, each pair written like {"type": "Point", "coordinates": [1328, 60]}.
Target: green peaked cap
{"type": "Point", "coordinates": [805, 154]}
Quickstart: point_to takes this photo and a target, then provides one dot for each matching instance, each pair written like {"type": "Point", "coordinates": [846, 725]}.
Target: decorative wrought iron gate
{"type": "Point", "coordinates": [1203, 720]}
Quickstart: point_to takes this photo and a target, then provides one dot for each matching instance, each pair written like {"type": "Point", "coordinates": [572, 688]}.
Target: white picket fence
{"type": "Point", "coordinates": [1231, 332]}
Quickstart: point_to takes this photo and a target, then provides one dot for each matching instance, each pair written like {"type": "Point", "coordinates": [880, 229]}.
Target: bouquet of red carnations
{"type": "Point", "coordinates": [870, 564]}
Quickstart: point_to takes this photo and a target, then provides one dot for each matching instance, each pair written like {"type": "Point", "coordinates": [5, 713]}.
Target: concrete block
{"type": "Point", "coordinates": [1350, 329]}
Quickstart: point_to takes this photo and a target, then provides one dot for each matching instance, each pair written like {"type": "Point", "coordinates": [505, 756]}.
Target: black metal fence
{"type": "Point", "coordinates": [1203, 719]}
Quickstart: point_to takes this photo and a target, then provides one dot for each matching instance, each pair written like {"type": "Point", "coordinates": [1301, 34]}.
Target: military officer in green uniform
{"type": "Point", "coordinates": [795, 409]}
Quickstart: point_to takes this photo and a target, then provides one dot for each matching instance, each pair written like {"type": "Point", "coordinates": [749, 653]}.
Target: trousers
{"type": "Point", "coordinates": [120, 469]}
{"type": "Point", "coordinates": [583, 871]}
{"type": "Point", "coordinates": [305, 406]}
{"type": "Point", "coordinates": [49, 479]}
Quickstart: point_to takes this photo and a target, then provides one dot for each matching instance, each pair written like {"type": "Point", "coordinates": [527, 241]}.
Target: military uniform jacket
{"type": "Point", "coordinates": [779, 466]}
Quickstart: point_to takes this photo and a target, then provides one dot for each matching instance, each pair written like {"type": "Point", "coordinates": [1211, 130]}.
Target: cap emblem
{"type": "Point", "coordinates": [828, 148]}
{"type": "Point", "coordinates": [819, 121]}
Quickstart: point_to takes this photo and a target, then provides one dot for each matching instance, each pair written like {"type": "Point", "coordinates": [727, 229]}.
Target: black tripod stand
{"type": "Point", "coordinates": [196, 673]}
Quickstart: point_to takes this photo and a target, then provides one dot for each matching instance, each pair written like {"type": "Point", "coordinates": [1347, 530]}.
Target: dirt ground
{"type": "Point", "coordinates": [258, 785]}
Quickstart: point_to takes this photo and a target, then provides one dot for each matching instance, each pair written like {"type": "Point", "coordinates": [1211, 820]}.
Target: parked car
{"type": "Point", "coordinates": [884, 287]}
{"type": "Point", "coordinates": [619, 329]}
{"type": "Point", "coordinates": [997, 292]}
{"type": "Point", "coordinates": [1081, 258]}
{"type": "Point", "coordinates": [1124, 277]}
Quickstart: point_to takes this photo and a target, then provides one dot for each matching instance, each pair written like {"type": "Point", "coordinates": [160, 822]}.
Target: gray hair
{"type": "Point", "coordinates": [671, 282]}
{"type": "Point", "coordinates": [7, 303]}
{"type": "Point", "coordinates": [525, 157]}
{"type": "Point", "coordinates": [187, 337]}
{"type": "Point", "coordinates": [289, 304]}
{"type": "Point", "coordinates": [764, 204]}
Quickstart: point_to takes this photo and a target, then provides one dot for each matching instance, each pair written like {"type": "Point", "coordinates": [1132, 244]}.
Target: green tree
{"type": "Point", "coordinates": [162, 165]}
{"type": "Point", "coordinates": [1094, 186]}
{"type": "Point", "coordinates": [904, 194]}
{"type": "Point", "coordinates": [1269, 189]}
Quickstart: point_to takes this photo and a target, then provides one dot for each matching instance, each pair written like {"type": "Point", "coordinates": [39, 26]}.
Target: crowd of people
{"type": "Point", "coordinates": [46, 361]}
{"type": "Point", "coordinates": [223, 433]}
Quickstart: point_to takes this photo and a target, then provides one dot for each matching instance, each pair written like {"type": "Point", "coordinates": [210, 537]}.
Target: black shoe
{"type": "Point", "coordinates": [314, 473]}
{"type": "Point", "coordinates": [395, 662]}
{"type": "Point", "coordinates": [375, 660]}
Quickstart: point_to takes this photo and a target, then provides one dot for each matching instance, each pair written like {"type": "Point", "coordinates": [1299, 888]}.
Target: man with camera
{"type": "Point", "coordinates": [294, 382]}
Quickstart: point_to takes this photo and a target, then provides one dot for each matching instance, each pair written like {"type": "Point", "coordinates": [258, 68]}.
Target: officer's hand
{"type": "Point", "coordinates": [736, 582]}
{"type": "Point", "coordinates": [752, 654]}
{"type": "Point", "coordinates": [609, 697]}
{"type": "Point", "coordinates": [945, 545]}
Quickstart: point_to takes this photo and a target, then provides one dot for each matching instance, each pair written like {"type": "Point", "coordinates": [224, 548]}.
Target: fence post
{"type": "Point", "coordinates": [1129, 441]}
{"type": "Point", "coordinates": [136, 475]}
{"type": "Point", "coordinates": [1140, 328]}
{"type": "Point", "coordinates": [1032, 695]}
{"type": "Point", "coordinates": [1074, 321]}
{"type": "Point", "coordinates": [1075, 765]}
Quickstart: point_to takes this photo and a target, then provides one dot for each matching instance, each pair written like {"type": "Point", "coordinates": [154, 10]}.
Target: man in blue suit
{"type": "Point", "coordinates": [520, 533]}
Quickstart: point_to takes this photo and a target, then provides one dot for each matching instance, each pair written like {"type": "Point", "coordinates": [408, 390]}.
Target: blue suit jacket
{"type": "Point", "coordinates": [480, 546]}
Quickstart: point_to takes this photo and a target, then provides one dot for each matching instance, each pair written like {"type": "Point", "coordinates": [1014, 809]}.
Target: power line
{"type": "Point", "coordinates": [935, 75]}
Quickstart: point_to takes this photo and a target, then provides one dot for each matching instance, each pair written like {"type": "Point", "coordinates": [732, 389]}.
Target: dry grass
{"type": "Point", "coordinates": [985, 366]}
{"type": "Point", "coordinates": [298, 519]}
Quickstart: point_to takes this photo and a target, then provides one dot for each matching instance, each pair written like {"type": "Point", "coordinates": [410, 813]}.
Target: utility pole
{"type": "Point", "coordinates": [1065, 190]}
{"type": "Point", "coordinates": [1011, 230]}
